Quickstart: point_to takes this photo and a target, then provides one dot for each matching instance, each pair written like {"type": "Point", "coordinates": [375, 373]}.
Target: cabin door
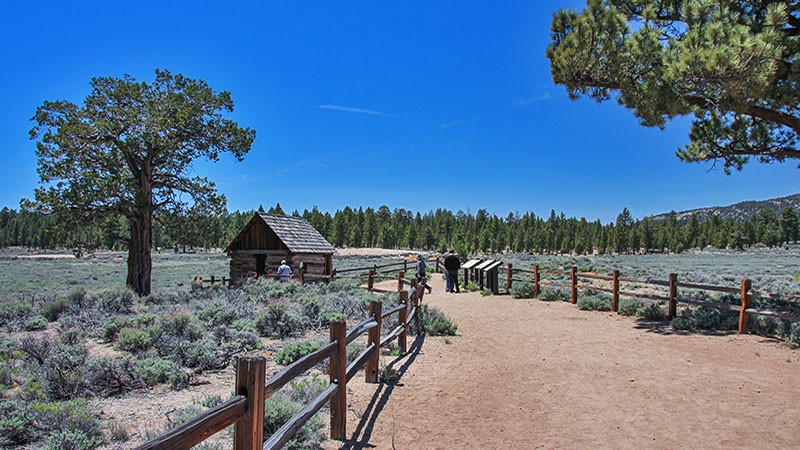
{"type": "Point", "coordinates": [260, 260]}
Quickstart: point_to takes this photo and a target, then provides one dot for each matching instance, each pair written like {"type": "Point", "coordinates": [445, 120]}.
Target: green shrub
{"type": "Point", "coordinates": [217, 314]}
{"type": "Point", "coordinates": [681, 323]}
{"type": "Point", "coordinates": [279, 320]}
{"type": "Point", "coordinates": [204, 354]}
{"type": "Point", "coordinates": [133, 340]}
{"type": "Point", "coordinates": [521, 290]}
{"type": "Point", "coordinates": [709, 318]}
{"type": "Point", "coordinates": [13, 314]}
{"type": "Point", "coordinates": [52, 310]}
{"type": "Point", "coordinates": [278, 409]}
{"type": "Point", "coordinates": [554, 295]}
{"type": "Point", "coordinates": [61, 425]}
{"type": "Point", "coordinates": [595, 302]}
{"type": "Point", "coordinates": [211, 401]}
{"type": "Point", "coordinates": [651, 311]}
{"type": "Point", "coordinates": [486, 292]}
{"type": "Point", "coordinates": [15, 426]}
{"type": "Point", "coordinates": [112, 328]}
{"type": "Point", "coordinates": [63, 372]}
{"type": "Point", "coordinates": [153, 371]}
{"type": "Point", "coordinates": [36, 323]}
{"type": "Point", "coordinates": [434, 322]}
{"type": "Point", "coordinates": [792, 338]}
{"type": "Point", "coordinates": [327, 317]}
{"type": "Point", "coordinates": [71, 440]}
{"type": "Point", "coordinates": [303, 390]}
{"type": "Point", "coordinates": [628, 307]}
{"type": "Point", "coordinates": [472, 287]}
{"type": "Point", "coordinates": [297, 349]}
{"type": "Point", "coordinates": [114, 300]}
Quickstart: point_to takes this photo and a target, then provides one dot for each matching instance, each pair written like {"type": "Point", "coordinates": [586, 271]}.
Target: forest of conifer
{"type": "Point", "coordinates": [480, 232]}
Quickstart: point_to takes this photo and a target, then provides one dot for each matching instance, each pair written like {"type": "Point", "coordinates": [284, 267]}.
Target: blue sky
{"type": "Point", "coordinates": [413, 104]}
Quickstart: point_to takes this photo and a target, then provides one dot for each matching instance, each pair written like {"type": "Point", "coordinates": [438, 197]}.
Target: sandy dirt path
{"type": "Point", "coordinates": [529, 374]}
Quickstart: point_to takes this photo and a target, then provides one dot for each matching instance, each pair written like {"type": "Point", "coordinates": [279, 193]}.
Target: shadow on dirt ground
{"type": "Point", "coordinates": [363, 432]}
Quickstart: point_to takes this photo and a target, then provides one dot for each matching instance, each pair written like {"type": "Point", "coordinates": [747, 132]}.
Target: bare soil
{"type": "Point", "coordinates": [527, 374]}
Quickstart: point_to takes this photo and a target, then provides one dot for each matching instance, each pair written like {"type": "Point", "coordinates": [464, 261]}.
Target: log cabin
{"type": "Point", "coordinates": [268, 238]}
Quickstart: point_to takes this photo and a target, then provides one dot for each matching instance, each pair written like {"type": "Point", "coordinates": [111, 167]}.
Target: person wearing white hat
{"type": "Point", "coordinates": [284, 272]}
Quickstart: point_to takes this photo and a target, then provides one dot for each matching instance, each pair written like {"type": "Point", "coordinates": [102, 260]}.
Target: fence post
{"type": "Point", "coordinates": [536, 281]}
{"type": "Point", "coordinates": [248, 432]}
{"type": "Point", "coordinates": [303, 276]}
{"type": "Point", "coordinates": [744, 316]}
{"type": "Point", "coordinates": [338, 373]}
{"type": "Point", "coordinates": [405, 265]}
{"type": "Point", "coordinates": [574, 284]}
{"type": "Point", "coordinates": [615, 293]}
{"type": "Point", "coordinates": [370, 279]}
{"type": "Point", "coordinates": [374, 337]}
{"type": "Point", "coordinates": [333, 274]}
{"type": "Point", "coordinates": [508, 277]}
{"type": "Point", "coordinates": [402, 317]}
{"type": "Point", "coordinates": [673, 293]}
{"type": "Point", "coordinates": [400, 276]}
{"type": "Point", "coordinates": [212, 279]}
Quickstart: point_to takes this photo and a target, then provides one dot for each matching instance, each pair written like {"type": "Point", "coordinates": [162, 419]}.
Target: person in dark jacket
{"type": "Point", "coordinates": [451, 266]}
{"type": "Point", "coordinates": [422, 274]}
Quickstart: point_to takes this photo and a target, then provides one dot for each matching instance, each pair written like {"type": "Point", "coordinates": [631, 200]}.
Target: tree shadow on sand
{"type": "Point", "coordinates": [363, 432]}
{"type": "Point", "coordinates": [664, 328]}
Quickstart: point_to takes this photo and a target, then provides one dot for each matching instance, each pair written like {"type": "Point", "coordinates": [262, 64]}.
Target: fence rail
{"type": "Point", "coordinates": [245, 411]}
{"type": "Point", "coordinates": [744, 292]}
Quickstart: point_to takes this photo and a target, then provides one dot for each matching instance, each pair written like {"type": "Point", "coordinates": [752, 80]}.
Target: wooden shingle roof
{"type": "Point", "coordinates": [297, 234]}
{"type": "Point", "coordinates": [294, 232]}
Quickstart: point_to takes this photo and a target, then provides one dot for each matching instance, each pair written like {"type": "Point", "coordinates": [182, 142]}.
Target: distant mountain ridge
{"type": "Point", "coordinates": [737, 211]}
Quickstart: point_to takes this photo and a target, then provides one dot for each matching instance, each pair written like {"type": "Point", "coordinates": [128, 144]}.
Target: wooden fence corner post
{"type": "Point", "coordinates": [615, 292]}
{"type": "Point", "coordinates": [437, 265]}
{"type": "Point", "coordinates": [338, 374]}
{"type": "Point", "coordinates": [402, 317]}
{"type": "Point", "coordinates": [400, 276]}
{"type": "Point", "coordinates": [574, 284]}
{"type": "Point", "coordinates": [333, 273]}
{"type": "Point", "coordinates": [248, 432]}
{"type": "Point", "coordinates": [536, 281]}
{"type": "Point", "coordinates": [673, 294]}
{"type": "Point", "coordinates": [744, 316]}
{"type": "Point", "coordinates": [509, 271]}
{"type": "Point", "coordinates": [374, 337]}
{"type": "Point", "coordinates": [370, 279]}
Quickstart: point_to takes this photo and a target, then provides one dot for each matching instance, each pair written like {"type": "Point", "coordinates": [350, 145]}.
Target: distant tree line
{"type": "Point", "coordinates": [434, 230]}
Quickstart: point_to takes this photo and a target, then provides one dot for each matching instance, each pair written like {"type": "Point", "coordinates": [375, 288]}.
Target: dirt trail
{"type": "Point", "coordinates": [528, 374]}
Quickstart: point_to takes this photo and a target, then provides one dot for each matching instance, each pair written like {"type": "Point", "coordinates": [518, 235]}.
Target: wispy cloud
{"type": "Point", "coordinates": [355, 110]}
{"type": "Point", "coordinates": [520, 102]}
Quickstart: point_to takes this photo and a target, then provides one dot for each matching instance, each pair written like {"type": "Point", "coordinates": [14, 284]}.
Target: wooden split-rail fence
{"type": "Point", "coordinates": [245, 411]}
{"type": "Point", "coordinates": [573, 281]}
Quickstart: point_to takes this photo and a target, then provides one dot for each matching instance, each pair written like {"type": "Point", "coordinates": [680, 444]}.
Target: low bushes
{"type": "Point", "coordinates": [297, 349]}
{"type": "Point", "coordinates": [595, 302]}
{"type": "Point", "coordinates": [522, 290]}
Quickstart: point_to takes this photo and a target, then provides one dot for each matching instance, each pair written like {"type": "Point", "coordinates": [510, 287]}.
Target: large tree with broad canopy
{"type": "Point", "coordinates": [733, 64]}
{"type": "Point", "coordinates": [127, 152]}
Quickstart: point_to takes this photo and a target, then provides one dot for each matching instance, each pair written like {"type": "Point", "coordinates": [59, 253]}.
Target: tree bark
{"type": "Point", "coordinates": [140, 264]}
{"type": "Point", "coordinates": [140, 248]}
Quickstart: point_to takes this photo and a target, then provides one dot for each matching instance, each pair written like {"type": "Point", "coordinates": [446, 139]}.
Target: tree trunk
{"type": "Point", "coordinates": [140, 249]}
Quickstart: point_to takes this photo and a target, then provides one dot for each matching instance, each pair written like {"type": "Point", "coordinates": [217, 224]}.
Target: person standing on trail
{"type": "Point", "coordinates": [451, 266]}
{"type": "Point", "coordinates": [284, 272]}
{"type": "Point", "coordinates": [421, 273]}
